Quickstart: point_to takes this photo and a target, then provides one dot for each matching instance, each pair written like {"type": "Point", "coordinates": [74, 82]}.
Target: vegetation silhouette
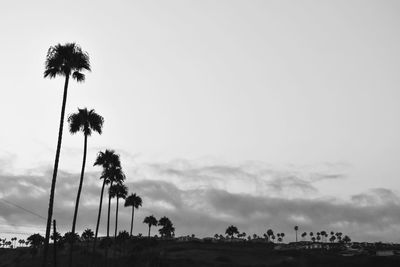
{"type": "Point", "coordinates": [87, 122]}
{"type": "Point", "coordinates": [231, 231]}
{"type": "Point", "coordinates": [116, 176]}
{"type": "Point", "coordinates": [108, 160]}
{"type": "Point", "coordinates": [150, 221]}
{"type": "Point", "coordinates": [69, 61]}
{"type": "Point", "coordinates": [117, 191]}
{"type": "Point", "coordinates": [296, 228]}
{"type": "Point", "coordinates": [66, 60]}
{"type": "Point", "coordinates": [135, 202]}
{"type": "Point", "coordinates": [167, 230]}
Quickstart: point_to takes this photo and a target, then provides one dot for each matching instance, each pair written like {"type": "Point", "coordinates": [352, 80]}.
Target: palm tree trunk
{"type": "Point", "coordinates": [133, 212]}
{"type": "Point", "coordinates": [108, 215]}
{"type": "Point", "coordinates": [55, 170]}
{"type": "Point", "coordinates": [116, 219]}
{"type": "Point", "coordinates": [78, 197]}
{"type": "Point", "coordinates": [98, 221]}
{"type": "Point", "coordinates": [149, 230]}
{"type": "Point", "coordinates": [99, 215]}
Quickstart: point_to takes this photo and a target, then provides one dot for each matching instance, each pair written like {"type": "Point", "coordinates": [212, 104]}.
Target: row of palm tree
{"type": "Point", "coordinates": [69, 61]}
{"type": "Point", "coordinates": [321, 236]}
{"type": "Point", "coordinates": [12, 243]}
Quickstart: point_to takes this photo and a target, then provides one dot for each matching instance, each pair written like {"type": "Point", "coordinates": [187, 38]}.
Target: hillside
{"type": "Point", "coordinates": [193, 254]}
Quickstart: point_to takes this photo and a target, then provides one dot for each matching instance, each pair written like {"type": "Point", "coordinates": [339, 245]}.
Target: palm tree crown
{"type": "Point", "coordinates": [118, 190]}
{"type": "Point", "coordinates": [65, 60]}
{"type": "Point", "coordinates": [134, 201]}
{"type": "Point", "coordinates": [150, 220]}
{"type": "Point", "coordinates": [107, 159]}
{"type": "Point", "coordinates": [113, 175]}
{"type": "Point", "coordinates": [85, 121]}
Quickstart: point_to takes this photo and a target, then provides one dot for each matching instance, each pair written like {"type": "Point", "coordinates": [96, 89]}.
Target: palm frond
{"type": "Point", "coordinates": [79, 77]}
{"type": "Point", "coordinates": [74, 121]}
{"type": "Point", "coordinates": [95, 121]}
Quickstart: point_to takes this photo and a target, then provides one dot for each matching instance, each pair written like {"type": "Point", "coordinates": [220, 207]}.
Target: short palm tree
{"type": "Point", "coordinates": [107, 159]}
{"type": "Point", "coordinates": [87, 235]}
{"type": "Point", "coordinates": [135, 201]}
{"type": "Point", "coordinates": [69, 61]}
{"type": "Point", "coordinates": [231, 231]}
{"type": "Point", "coordinates": [151, 221]}
{"type": "Point", "coordinates": [119, 191]}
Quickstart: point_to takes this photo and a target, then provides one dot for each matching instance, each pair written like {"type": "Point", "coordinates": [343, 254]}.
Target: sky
{"type": "Point", "coordinates": [262, 114]}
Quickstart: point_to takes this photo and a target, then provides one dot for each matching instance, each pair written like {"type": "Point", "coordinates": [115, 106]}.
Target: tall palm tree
{"type": "Point", "coordinates": [107, 159]}
{"type": "Point", "coordinates": [135, 201]}
{"type": "Point", "coordinates": [119, 191]}
{"type": "Point", "coordinates": [150, 220]}
{"type": "Point", "coordinates": [87, 122]}
{"type": "Point", "coordinates": [296, 228]}
{"type": "Point", "coordinates": [116, 176]}
{"type": "Point", "coordinates": [66, 60]}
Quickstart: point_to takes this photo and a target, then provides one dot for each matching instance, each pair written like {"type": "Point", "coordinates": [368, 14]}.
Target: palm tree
{"type": "Point", "coordinates": [167, 230]}
{"type": "Point", "coordinates": [270, 233]}
{"type": "Point", "coordinates": [303, 235]}
{"type": "Point", "coordinates": [231, 231]}
{"type": "Point", "coordinates": [150, 220]}
{"type": "Point", "coordinates": [119, 191]}
{"type": "Point", "coordinates": [115, 175]}
{"type": "Point", "coordinates": [85, 121]}
{"type": "Point", "coordinates": [87, 235]}
{"type": "Point", "coordinates": [296, 228]}
{"type": "Point", "coordinates": [135, 201]}
{"type": "Point", "coordinates": [62, 60]}
{"type": "Point", "coordinates": [107, 159]}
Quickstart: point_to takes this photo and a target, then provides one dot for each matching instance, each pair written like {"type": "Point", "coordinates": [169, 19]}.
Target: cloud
{"type": "Point", "coordinates": [204, 198]}
{"type": "Point", "coordinates": [255, 178]}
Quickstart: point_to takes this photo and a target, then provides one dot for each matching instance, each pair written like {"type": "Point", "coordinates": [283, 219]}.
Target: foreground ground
{"type": "Point", "coordinates": [163, 253]}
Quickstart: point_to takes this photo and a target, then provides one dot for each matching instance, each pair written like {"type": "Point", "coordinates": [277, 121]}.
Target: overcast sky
{"type": "Point", "coordinates": [265, 114]}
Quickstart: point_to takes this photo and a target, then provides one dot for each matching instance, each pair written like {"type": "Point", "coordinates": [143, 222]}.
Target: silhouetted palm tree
{"type": "Point", "coordinates": [303, 235]}
{"type": "Point", "coordinates": [270, 233]}
{"type": "Point", "coordinates": [117, 176]}
{"type": "Point", "coordinates": [62, 60]}
{"type": "Point", "coordinates": [296, 228]}
{"type": "Point", "coordinates": [346, 239]}
{"type": "Point", "coordinates": [135, 201]}
{"type": "Point", "coordinates": [108, 160]}
{"type": "Point", "coordinates": [167, 230]}
{"type": "Point", "coordinates": [318, 236]}
{"type": "Point", "coordinates": [87, 235]}
{"type": "Point", "coordinates": [118, 191]}
{"type": "Point", "coordinates": [231, 231]}
{"type": "Point", "coordinates": [87, 122]}
{"type": "Point", "coordinates": [151, 221]}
